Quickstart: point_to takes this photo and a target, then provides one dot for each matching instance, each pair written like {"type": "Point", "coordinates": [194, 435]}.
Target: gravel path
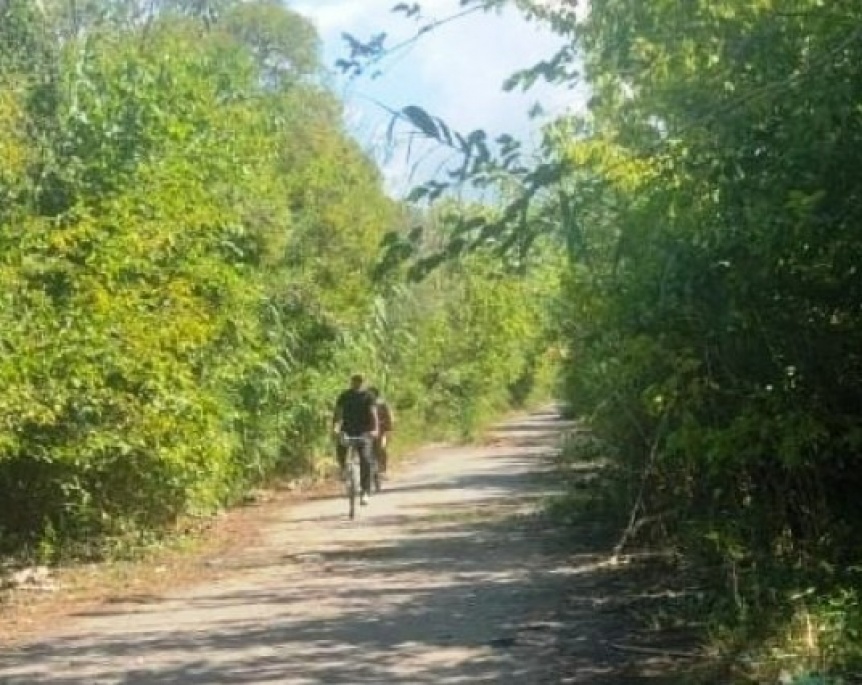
{"type": "Point", "coordinates": [445, 578]}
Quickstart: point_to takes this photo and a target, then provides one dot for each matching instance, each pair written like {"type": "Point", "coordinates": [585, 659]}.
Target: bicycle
{"type": "Point", "coordinates": [378, 452]}
{"type": "Point", "coordinates": [352, 466]}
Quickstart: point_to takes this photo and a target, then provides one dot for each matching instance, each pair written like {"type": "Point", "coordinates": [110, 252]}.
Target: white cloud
{"type": "Point", "coordinates": [455, 71]}
{"type": "Point", "coordinates": [471, 62]}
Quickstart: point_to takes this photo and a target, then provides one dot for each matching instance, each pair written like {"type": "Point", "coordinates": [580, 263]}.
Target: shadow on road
{"type": "Point", "coordinates": [410, 619]}
{"type": "Point", "coordinates": [457, 581]}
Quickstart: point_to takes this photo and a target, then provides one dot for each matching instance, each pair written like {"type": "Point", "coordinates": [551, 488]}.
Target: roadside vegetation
{"type": "Point", "coordinates": [195, 255]}
{"type": "Point", "coordinates": [714, 308]}
{"type": "Point", "coordinates": [710, 209]}
{"type": "Point", "coordinates": [189, 243]}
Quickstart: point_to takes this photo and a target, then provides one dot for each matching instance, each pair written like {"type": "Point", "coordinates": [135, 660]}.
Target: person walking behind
{"type": "Point", "coordinates": [355, 415]}
{"type": "Point", "coordinates": [386, 424]}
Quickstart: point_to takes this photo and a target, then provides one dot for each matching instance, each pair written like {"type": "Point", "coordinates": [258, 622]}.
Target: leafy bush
{"type": "Point", "coordinates": [188, 241]}
{"type": "Point", "coordinates": [713, 293]}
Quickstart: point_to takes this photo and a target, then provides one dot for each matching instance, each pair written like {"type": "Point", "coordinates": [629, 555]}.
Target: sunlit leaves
{"type": "Point", "coordinates": [284, 44]}
{"type": "Point", "coordinates": [146, 261]}
{"type": "Point", "coordinates": [188, 244]}
{"type": "Point", "coordinates": [720, 215]}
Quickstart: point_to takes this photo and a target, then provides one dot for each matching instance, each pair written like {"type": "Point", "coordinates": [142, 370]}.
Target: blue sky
{"type": "Point", "coordinates": [455, 72]}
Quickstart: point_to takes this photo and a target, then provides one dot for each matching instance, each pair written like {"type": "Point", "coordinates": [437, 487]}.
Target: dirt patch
{"type": "Point", "coordinates": [188, 560]}
{"type": "Point", "coordinates": [25, 612]}
{"type": "Point", "coordinates": [197, 557]}
{"type": "Point", "coordinates": [452, 575]}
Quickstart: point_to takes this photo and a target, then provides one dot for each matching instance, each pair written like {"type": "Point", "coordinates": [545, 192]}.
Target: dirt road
{"type": "Point", "coordinates": [446, 578]}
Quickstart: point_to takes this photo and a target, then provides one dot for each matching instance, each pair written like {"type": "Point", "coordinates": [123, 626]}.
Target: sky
{"type": "Point", "coordinates": [455, 72]}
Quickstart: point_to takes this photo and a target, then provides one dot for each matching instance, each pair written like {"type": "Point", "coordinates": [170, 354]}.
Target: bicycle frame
{"type": "Point", "coordinates": [352, 466]}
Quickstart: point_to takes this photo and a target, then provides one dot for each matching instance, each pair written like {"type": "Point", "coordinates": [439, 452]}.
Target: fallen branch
{"type": "Point", "coordinates": [638, 505]}
{"type": "Point", "coordinates": [655, 651]}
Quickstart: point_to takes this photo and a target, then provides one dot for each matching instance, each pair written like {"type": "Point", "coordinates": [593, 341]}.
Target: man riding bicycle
{"type": "Point", "coordinates": [355, 416]}
{"type": "Point", "coordinates": [385, 424]}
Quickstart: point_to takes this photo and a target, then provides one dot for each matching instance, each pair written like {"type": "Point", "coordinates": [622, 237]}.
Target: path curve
{"type": "Point", "coordinates": [444, 579]}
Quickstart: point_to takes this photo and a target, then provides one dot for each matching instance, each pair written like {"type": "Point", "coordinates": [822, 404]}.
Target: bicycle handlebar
{"type": "Point", "coordinates": [348, 440]}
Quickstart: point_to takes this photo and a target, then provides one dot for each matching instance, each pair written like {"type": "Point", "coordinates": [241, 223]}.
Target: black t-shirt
{"type": "Point", "coordinates": [357, 411]}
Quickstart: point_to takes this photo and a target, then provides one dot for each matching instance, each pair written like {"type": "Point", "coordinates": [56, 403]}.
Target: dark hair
{"type": "Point", "coordinates": [357, 379]}
{"type": "Point", "coordinates": [374, 392]}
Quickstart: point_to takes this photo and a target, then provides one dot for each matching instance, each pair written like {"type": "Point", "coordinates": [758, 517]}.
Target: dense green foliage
{"type": "Point", "coordinates": [714, 293]}
{"type": "Point", "coordinates": [711, 209]}
{"type": "Point", "coordinates": [188, 248]}
{"type": "Point", "coordinates": [191, 265]}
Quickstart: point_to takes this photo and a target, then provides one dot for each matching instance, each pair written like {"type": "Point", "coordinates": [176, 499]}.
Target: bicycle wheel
{"type": "Point", "coordinates": [375, 471]}
{"type": "Point", "coordinates": [374, 465]}
{"type": "Point", "coordinates": [352, 481]}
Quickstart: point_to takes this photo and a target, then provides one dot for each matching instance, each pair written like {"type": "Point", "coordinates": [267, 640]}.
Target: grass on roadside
{"type": "Point", "coordinates": [759, 620]}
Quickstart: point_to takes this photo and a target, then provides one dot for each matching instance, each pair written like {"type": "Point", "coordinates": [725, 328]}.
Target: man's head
{"type": "Point", "coordinates": [356, 381]}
